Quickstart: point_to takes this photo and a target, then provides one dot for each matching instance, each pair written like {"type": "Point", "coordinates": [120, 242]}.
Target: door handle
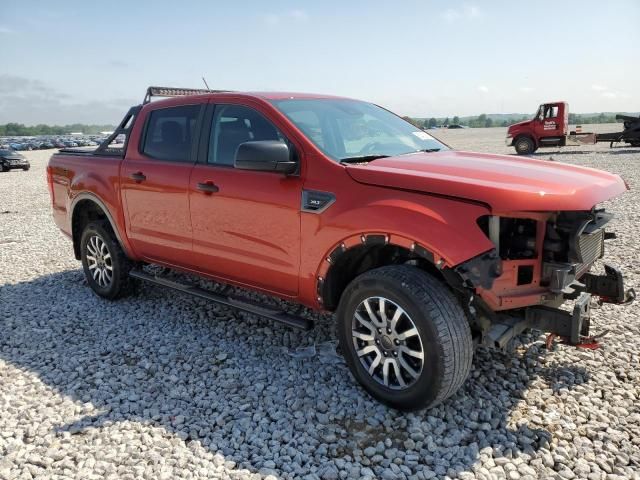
{"type": "Point", "coordinates": [208, 187]}
{"type": "Point", "coordinates": [138, 177]}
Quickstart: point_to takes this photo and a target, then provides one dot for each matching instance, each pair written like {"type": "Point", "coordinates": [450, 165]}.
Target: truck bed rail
{"type": "Point", "coordinates": [124, 128]}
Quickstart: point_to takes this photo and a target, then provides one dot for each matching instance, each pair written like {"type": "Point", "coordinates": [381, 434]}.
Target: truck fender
{"type": "Point", "coordinates": [443, 234]}
{"type": "Point", "coordinates": [89, 196]}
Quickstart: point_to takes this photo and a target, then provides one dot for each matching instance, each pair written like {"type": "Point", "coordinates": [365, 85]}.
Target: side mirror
{"type": "Point", "coordinates": [265, 156]}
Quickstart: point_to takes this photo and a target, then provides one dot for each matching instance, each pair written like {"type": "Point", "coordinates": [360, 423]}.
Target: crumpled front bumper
{"type": "Point", "coordinates": [608, 287]}
{"type": "Point", "coordinates": [571, 326]}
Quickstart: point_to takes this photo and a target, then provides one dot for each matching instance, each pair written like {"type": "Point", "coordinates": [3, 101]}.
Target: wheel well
{"type": "Point", "coordinates": [362, 258]}
{"type": "Point", "coordinates": [85, 211]}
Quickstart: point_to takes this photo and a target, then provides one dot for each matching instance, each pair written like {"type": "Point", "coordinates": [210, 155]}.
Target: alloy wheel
{"type": "Point", "coordinates": [99, 261]}
{"type": "Point", "coordinates": [387, 343]}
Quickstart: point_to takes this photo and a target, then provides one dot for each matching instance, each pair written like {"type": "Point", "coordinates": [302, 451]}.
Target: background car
{"type": "Point", "coordinates": [45, 142]}
{"type": "Point", "coordinates": [10, 159]}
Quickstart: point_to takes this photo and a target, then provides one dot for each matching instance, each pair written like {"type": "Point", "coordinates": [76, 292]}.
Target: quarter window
{"type": "Point", "coordinates": [233, 125]}
{"type": "Point", "coordinates": [170, 133]}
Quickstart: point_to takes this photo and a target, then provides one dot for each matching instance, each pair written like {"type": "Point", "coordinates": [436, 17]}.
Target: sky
{"type": "Point", "coordinates": [87, 62]}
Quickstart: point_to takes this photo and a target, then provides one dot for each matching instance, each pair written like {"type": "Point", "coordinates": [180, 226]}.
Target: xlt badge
{"type": "Point", "coordinates": [315, 201]}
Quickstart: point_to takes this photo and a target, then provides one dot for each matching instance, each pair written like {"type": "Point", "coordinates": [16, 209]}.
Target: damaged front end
{"type": "Point", "coordinates": [540, 261]}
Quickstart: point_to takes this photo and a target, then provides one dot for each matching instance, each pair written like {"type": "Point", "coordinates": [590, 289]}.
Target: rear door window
{"type": "Point", "coordinates": [170, 133]}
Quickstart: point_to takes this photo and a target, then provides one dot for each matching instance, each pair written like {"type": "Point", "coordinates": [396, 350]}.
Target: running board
{"type": "Point", "coordinates": [256, 308]}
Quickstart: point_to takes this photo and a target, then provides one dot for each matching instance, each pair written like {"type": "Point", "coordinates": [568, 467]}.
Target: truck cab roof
{"type": "Point", "coordinates": [199, 95]}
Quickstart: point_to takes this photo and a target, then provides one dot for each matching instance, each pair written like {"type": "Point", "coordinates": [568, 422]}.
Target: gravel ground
{"type": "Point", "coordinates": [165, 386]}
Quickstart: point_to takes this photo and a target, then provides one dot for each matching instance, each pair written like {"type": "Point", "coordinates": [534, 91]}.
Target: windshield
{"type": "Point", "coordinates": [538, 115]}
{"type": "Point", "coordinates": [350, 129]}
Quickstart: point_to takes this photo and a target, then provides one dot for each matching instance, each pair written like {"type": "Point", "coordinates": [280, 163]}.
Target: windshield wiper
{"type": "Point", "coordinates": [362, 158]}
{"type": "Point", "coordinates": [427, 150]}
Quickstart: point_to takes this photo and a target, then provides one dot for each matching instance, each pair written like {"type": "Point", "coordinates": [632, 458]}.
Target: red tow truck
{"type": "Point", "coordinates": [550, 128]}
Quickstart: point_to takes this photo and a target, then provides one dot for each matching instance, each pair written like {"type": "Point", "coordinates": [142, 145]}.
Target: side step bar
{"type": "Point", "coordinates": [256, 308]}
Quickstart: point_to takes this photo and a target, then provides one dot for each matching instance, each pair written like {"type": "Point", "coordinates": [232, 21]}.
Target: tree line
{"type": "Point", "coordinates": [577, 119]}
{"type": "Point", "coordinates": [483, 121]}
{"type": "Point", "coordinates": [18, 129]}
{"type": "Point", "coordinates": [486, 121]}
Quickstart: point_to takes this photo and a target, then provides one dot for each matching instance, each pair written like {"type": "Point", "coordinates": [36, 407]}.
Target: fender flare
{"type": "Point", "coordinates": [95, 199]}
{"type": "Point", "coordinates": [370, 239]}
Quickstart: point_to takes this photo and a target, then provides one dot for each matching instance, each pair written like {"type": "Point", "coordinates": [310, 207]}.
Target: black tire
{"type": "Point", "coordinates": [25, 168]}
{"type": "Point", "coordinates": [3, 168]}
{"type": "Point", "coordinates": [120, 283]}
{"type": "Point", "coordinates": [441, 324]}
{"type": "Point", "coordinates": [524, 146]}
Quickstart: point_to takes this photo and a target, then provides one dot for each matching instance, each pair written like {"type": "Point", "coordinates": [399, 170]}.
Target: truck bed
{"type": "Point", "coordinates": [72, 171]}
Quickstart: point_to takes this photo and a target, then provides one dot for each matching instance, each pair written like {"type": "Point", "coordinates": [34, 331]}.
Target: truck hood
{"type": "Point", "coordinates": [505, 183]}
{"type": "Point", "coordinates": [516, 127]}
{"type": "Point", "coordinates": [523, 123]}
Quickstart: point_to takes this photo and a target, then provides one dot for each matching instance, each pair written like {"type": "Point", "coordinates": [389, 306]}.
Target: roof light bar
{"type": "Point", "coordinates": [175, 92]}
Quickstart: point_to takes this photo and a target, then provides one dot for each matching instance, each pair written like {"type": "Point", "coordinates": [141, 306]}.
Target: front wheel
{"type": "Point", "coordinates": [404, 336]}
{"type": "Point", "coordinates": [105, 264]}
{"type": "Point", "coordinates": [524, 146]}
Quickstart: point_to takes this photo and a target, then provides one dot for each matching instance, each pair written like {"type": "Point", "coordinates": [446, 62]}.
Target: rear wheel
{"type": "Point", "coordinates": [105, 264]}
{"type": "Point", "coordinates": [404, 336]}
{"type": "Point", "coordinates": [524, 146]}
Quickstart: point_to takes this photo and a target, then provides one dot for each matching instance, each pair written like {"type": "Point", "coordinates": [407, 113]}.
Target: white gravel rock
{"type": "Point", "coordinates": [165, 386]}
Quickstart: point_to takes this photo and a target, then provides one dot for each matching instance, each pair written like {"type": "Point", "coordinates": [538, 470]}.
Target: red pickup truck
{"type": "Point", "coordinates": [422, 252]}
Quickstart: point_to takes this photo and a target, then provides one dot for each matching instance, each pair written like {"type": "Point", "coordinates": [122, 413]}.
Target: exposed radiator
{"type": "Point", "coordinates": [590, 248]}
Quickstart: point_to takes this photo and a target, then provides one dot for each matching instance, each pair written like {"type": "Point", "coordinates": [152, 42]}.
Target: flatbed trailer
{"type": "Point", "coordinates": [630, 134]}
{"type": "Point", "coordinates": [550, 128]}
